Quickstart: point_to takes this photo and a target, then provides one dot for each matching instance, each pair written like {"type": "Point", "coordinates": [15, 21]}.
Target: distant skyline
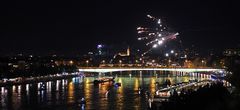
{"type": "Point", "coordinates": [73, 26]}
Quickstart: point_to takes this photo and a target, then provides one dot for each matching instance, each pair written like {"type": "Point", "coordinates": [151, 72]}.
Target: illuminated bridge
{"type": "Point", "coordinates": [116, 69]}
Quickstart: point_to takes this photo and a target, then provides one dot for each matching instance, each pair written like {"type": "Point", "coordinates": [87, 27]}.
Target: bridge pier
{"type": "Point", "coordinates": [194, 74]}
{"type": "Point", "coordinates": [141, 79]}
{"type": "Point", "coordinates": [184, 73]}
{"type": "Point", "coordinates": [191, 74]}
{"type": "Point", "coordinates": [174, 73]}
{"type": "Point", "coordinates": [180, 73]}
{"type": "Point", "coordinates": [111, 74]}
{"type": "Point", "coordinates": [140, 74]}
{"type": "Point", "coordinates": [130, 75]}
{"type": "Point", "coordinates": [165, 73]}
{"type": "Point", "coordinates": [100, 74]}
{"type": "Point", "coordinates": [154, 73]}
{"type": "Point", "coordinates": [120, 73]}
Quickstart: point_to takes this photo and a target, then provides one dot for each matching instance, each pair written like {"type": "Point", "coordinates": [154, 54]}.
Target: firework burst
{"type": "Point", "coordinates": [155, 36]}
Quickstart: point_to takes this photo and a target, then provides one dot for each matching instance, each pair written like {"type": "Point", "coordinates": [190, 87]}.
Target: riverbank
{"type": "Point", "coordinates": [214, 96]}
{"type": "Point", "coordinates": [38, 79]}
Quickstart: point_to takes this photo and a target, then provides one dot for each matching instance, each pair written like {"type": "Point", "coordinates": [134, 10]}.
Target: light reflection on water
{"type": "Point", "coordinates": [66, 93]}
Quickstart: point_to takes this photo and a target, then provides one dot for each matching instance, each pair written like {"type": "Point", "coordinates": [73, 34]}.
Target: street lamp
{"type": "Point", "coordinates": [203, 63]}
{"type": "Point", "coordinates": [166, 54]}
{"type": "Point", "coordinates": [103, 61]}
{"type": "Point", "coordinates": [120, 62]}
{"type": "Point", "coordinates": [71, 62]}
{"type": "Point", "coordinates": [136, 61]}
{"type": "Point", "coordinates": [87, 62]}
{"type": "Point", "coordinates": [153, 61]}
{"type": "Point", "coordinates": [155, 46]}
{"type": "Point", "coordinates": [185, 56]}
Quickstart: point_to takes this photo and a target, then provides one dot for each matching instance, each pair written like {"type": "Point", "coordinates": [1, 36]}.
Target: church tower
{"type": "Point", "coordinates": [128, 51]}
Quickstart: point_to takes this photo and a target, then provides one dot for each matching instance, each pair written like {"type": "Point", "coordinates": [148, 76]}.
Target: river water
{"type": "Point", "coordinates": [66, 94]}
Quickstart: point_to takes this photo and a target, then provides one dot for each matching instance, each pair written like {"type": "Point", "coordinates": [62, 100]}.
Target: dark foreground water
{"type": "Point", "coordinates": [66, 94]}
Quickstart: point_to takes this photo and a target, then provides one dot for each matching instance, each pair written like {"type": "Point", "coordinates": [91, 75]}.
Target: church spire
{"type": "Point", "coordinates": [128, 51]}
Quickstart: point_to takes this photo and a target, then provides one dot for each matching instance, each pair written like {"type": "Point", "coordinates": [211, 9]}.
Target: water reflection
{"type": "Point", "coordinates": [70, 93]}
{"type": "Point", "coordinates": [67, 93]}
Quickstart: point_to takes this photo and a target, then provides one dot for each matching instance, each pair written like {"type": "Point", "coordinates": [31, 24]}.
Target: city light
{"type": "Point", "coordinates": [99, 46]}
{"type": "Point", "coordinates": [155, 46]}
{"type": "Point", "coordinates": [159, 35]}
{"type": "Point", "coordinates": [120, 56]}
{"type": "Point", "coordinates": [136, 61]}
{"type": "Point", "coordinates": [166, 54]}
{"type": "Point", "coordinates": [159, 21]}
{"type": "Point", "coordinates": [87, 62]}
{"type": "Point", "coordinates": [160, 42]}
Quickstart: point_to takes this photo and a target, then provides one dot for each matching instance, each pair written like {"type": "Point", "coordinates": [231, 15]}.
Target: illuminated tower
{"type": "Point", "coordinates": [128, 51]}
{"type": "Point", "coordinates": [125, 54]}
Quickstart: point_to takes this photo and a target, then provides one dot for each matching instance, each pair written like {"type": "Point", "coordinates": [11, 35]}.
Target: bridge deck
{"type": "Point", "coordinates": [115, 69]}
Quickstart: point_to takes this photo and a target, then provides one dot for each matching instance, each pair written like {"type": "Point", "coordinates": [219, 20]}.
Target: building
{"type": "Point", "coordinates": [231, 52]}
{"type": "Point", "coordinates": [124, 54]}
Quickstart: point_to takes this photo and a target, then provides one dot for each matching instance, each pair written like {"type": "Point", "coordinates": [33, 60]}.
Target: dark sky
{"type": "Point", "coordinates": [77, 26]}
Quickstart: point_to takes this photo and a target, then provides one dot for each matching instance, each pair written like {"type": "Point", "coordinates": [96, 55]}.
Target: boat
{"type": "Point", "coordinates": [118, 84]}
{"type": "Point", "coordinates": [102, 80]}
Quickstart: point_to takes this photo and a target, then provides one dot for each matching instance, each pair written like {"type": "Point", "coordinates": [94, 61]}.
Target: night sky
{"type": "Point", "coordinates": [75, 26]}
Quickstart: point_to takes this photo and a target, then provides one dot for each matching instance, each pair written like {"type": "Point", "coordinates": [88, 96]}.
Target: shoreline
{"type": "Point", "coordinates": [38, 79]}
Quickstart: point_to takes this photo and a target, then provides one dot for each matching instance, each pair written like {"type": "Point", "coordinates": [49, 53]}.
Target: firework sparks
{"type": "Point", "coordinates": [157, 36]}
